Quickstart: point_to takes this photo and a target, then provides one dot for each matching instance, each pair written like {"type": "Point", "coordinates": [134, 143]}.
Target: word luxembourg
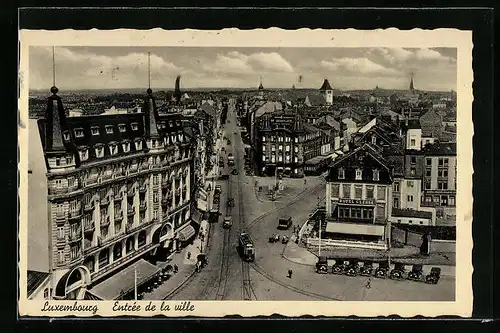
{"type": "Point", "coordinates": [47, 307]}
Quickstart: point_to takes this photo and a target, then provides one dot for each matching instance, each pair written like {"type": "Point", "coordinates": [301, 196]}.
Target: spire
{"type": "Point", "coordinates": [55, 117]}
{"type": "Point", "coordinates": [326, 86]}
{"type": "Point", "coordinates": [150, 107]}
{"type": "Point", "coordinates": [261, 87]}
{"type": "Point", "coordinates": [411, 83]}
{"type": "Point", "coordinates": [177, 93]}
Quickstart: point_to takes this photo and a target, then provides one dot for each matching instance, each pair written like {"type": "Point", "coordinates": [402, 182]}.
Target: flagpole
{"type": "Point", "coordinates": [135, 282]}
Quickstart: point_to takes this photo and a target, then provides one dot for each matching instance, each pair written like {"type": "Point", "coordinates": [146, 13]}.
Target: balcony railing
{"type": "Point", "coordinates": [75, 236]}
{"type": "Point", "coordinates": [105, 221]}
{"type": "Point", "coordinates": [89, 226]}
{"type": "Point", "coordinates": [88, 206]}
{"type": "Point", "coordinates": [104, 201]}
{"type": "Point", "coordinates": [61, 241]}
{"type": "Point", "coordinates": [129, 227]}
{"type": "Point", "coordinates": [75, 213]}
{"type": "Point", "coordinates": [143, 189]}
{"type": "Point", "coordinates": [118, 216]}
{"type": "Point", "coordinates": [131, 193]}
{"type": "Point", "coordinates": [107, 177]}
{"type": "Point", "coordinates": [118, 196]}
{"type": "Point", "coordinates": [429, 204]}
{"type": "Point", "coordinates": [130, 211]}
{"type": "Point", "coordinates": [90, 181]}
{"type": "Point", "coordinates": [166, 201]}
{"type": "Point", "coordinates": [166, 183]}
{"type": "Point", "coordinates": [142, 206]}
{"type": "Point", "coordinates": [133, 169]}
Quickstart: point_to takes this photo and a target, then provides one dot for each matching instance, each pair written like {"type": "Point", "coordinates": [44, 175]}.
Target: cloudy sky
{"type": "Point", "coordinates": [345, 68]}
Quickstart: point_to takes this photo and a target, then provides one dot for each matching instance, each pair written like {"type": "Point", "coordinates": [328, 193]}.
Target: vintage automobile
{"type": "Point", "coordinates": [274, 238]}
{"type": "Point", "coordinates": [398, 272]}
{"type": "Point", "coordinates": [284, 239]}
{"type": "Point", "coordinates": [234, 172]}
{"type": "Point", "coordinates": [230, 202]}
{"type": "Point", "coordinates": [228, 222]}
{"type": "Point", "coordinates": [382, 270]}
{"type": "Point", "coordinates": [416, 273]}
{"type": "Point", "coordinates": [353, 268]}
{"type": "Point", "coordinates": [322, 265]}
{"type": "Point", "coordinates": [367, 268]}
{"type": "Point", "coordinates": [339, 266]}
{"type": "Point", "coordinates": [433, 276]}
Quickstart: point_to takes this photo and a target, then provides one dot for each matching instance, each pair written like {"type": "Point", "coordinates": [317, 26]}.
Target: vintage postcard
{"type": "Point", "coordinates": [258, 172]}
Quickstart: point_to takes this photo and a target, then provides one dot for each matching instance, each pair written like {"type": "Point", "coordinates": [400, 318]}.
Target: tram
{"type": "Point", "coordinates": [247, 250]}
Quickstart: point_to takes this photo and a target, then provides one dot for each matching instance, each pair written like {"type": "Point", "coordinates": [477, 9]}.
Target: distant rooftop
{"type": "Point", "coordinates": [441, 149]}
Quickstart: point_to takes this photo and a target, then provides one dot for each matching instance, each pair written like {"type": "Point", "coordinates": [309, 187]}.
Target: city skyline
{"type": "Point", "coordinates": [83, 68]}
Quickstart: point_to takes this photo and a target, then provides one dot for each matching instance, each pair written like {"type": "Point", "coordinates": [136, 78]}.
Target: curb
{"type": "Point", "coordinates": [177, 289]}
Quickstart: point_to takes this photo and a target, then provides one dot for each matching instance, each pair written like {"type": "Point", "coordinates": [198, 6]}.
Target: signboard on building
{"type": "Point", "coordinates": [357, 201]}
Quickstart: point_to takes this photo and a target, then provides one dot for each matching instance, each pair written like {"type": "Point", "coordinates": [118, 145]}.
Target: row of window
{"type": "Point", "coordinates": [358, 191]}
{"type": "Point", "coordinates": [280, 139]}
{"type": "Point", "coordinates": [359, 174]}
{"type": "Point", "coordinates": [355, 213]}
{"type": "Point", "coordinates": [280, 148]}
{"type": "Point", "coordinates": [280, 159]}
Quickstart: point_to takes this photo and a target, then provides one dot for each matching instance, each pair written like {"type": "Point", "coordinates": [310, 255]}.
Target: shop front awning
{"type": "Point", "coordinates": [186, 233]}
{"type": "Point", "coordinates": [355, 229]}
{"type": "Point", "coordinates": [123, 282]}
{"type": "Point", "coordinates": [196, 216]}
{"type": "Point", "coordinates": [202, 205]}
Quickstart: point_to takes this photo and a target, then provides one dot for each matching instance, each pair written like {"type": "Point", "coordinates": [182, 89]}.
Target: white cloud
{"type": "Point", "coordinates": [354, 66]}
{"type": "Point", "coordinates": [235, 62]}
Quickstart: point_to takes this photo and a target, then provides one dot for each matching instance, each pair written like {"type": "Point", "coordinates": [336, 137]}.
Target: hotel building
{"type": "Point", "coordinates": [118, 190]}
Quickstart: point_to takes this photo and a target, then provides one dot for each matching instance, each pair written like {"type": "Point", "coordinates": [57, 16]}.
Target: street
{"type": "Point", "coordinates": [227, 277]}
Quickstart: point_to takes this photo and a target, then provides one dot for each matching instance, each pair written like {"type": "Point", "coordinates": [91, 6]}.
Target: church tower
{"type": "Point", "coordinates": [412, 88]}
{"type": "Point", "coordinates": [327, 92]}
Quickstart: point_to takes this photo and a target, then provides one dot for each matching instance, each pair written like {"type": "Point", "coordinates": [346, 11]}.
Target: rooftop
{"type": "Point", "coordinates": [441, 149]}
{"type": "Point", "coordinates": [35, 279]}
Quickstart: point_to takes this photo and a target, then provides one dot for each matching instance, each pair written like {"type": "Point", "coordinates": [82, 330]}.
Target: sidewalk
{"type": "Point", "coordinates": [300, 255]}
{"type": "Point", "coordinates": [186, 270]}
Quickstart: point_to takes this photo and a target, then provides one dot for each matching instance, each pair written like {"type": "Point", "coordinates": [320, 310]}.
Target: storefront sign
{"type": "Point", "coordinates": [357, 201]}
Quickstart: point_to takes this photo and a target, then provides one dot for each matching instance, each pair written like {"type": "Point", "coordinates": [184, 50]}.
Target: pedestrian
{"type": "Point", "coordinates": [290, 273]}
{"type": "Point", "coordinates": [369, 283]}
{"type": "Point", "coordinates": [176, 268]}
{"type": "Point", "coordinates": [189, 255]}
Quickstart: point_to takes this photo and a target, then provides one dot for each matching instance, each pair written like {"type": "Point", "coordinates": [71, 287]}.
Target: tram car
{"type": "Point", "coordinates": [382, 270]}
{"type": "Point", "coordinates": [246, 247]}
{"type": "Point", "coordinates": [398, 272]}
{"type": "Point", "coordinates": [366, 269]}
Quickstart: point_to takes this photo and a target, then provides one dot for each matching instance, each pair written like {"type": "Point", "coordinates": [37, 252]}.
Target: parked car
{"type": "Point", "coordinates": [230, 202]}
{"type": "Point", "coordinates": [339, 266]}
{"type": "Point", "coordinates": [284, 239]}
{"type": "Point", "coordinates": [416, 273]}
{"type": "Point", "coordinates": [234, 172]}
{"type": "Point", "coordinates": [398, 272]}
{"type": "Point", "coordinates": [367, 268]}
{"type": "Point", "coordinates": [353, 268]}
{"type": "Point", "coordinates": [382, 270]}
{"type": "Point", "coordinates": [434, 275]}
{"type": "Point", "coordinates": [322, 265]}
{"type": "Point", "coordinates": [228, 221]}
{"type": "Point", "coordinates": [274, 238]}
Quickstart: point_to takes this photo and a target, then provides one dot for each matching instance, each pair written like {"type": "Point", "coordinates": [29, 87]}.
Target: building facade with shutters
{"type": "Point", "coordinates": [118, 189]}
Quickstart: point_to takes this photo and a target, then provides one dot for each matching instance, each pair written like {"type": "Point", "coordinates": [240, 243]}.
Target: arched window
{"type": "Point", "coordinates": [141, 239]}
{"type": "Point", "coordinates": [130, 244]}
{"type": "Point", "coordinates": [117, 251]}
{"type": "Point", "coordinates": [103, 258]}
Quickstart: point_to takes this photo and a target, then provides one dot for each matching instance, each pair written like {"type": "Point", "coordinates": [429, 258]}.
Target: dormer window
{"type": "Point", "coordinates": [109, 129]}
{"type": "Point", "coordinates": [359, 174]}
{"type": "Point", "coordinates": [94, 130]}
{"type": "Point", "coordinates": [138, 145]}
{"type": "Point", "coordinates": [374, 140]}
{"type": "Point", "coordinates": [66, 135]}
{"type": "Point", "coordinates": [126, 147]}
{"type": "Point", "coordinates": [99, 151]}
{"type": "Point", "coordinates": [84, 154]}
{"type": "Point", "coordinates": [341, 173]}
{"type": "Point", "coordinates": [113, 149]}
{"type": "Point", "coordinates": [171, 124]}
{"type": "Point", "coordinates": [122, 128]}
{"type": "Point", "coordinates": [263, 139]}
{"type": "Point", "coordinates": [376, 175]}
{"type": "Point", "coordinates": [79, 132]}
{"type": "Point", "coordinates": [134, 126]}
